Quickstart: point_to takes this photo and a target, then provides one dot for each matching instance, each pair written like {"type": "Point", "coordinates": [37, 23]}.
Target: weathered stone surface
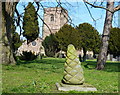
{"type": "Point", "coordinates": [73, 72]}
{"type": "Point", "coordinates": [67, 87]}
{"type": "Point", "coordinates": [55, 18]}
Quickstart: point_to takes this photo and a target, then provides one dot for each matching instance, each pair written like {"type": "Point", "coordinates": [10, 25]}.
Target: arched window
{"type": "Point", "coordinates": [52, 17]}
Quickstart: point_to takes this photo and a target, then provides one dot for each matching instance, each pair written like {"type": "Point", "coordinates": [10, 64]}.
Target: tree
{"type": "Point", "coordinates": [90, 39]}
{"type": "Point", "coordinates": [51, 45]}
{"type": "Point", "coordinates": [16, 41]}
{"type": "Point", "coordinates": [30, 23]}
{"type": "Point", "coordinates": [110, 10]}
{"type": "Point", "coordinates": [7, 10]}
{"type": "Point", "coordinates": [66, 36]}
{"type": "Point", "coordinates": [114, 43]}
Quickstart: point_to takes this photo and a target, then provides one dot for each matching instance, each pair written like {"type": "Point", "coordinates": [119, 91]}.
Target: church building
{"type": "Point", "coordinates": [54, 19]}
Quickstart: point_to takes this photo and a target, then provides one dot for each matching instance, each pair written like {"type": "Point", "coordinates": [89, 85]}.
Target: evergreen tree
{"type": "Point", "coordinates": [16, 41]}
{"type": "Point", "coordinates": [89, 37]}
{"type": "Point", "coordinates": [30, 23]}
{"type": "Point", "coordinates": [114, 42]}
{"type": "Point", "coordinates": [50, 45]}
{"type": "Point", "coordinates": [65, 36]}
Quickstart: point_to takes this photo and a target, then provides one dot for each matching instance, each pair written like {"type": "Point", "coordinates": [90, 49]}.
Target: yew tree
{"type": "Point", "coordinates": [50, 45]}
{"type": "Point", "coordinates": [7, 10]}
{"type": "Point", "coordinates": [89, 38]}
{"type": "Point", "coordinates": [114, 42]}
{"type": "Point", "coordinates": [65, 36]}
{"type": "Point", "coordinates": [30, 23]}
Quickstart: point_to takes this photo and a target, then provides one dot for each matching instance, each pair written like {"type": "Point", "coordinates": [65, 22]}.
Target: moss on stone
{"type": "Point", "coordinates": [73, 72]}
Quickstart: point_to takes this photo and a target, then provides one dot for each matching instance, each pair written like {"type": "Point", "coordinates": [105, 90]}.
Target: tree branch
{"type": "Point", "coordinates": [97, 6]}
{"type": "Point", "coordinates": [69, 20]}
{"type": "Point", "coordinates": [44, 23]}
{"type": "Point", "coordinates": [117, 8]}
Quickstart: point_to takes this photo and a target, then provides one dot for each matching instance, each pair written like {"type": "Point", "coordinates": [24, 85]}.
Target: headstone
{"type": "Point", "coordinates": [114, 59]}
{"type": "Point", "coordinates": [119, 58]}
{"type": "Point", "coordinates": [73, 78]}
{"type": "Point", "coordinates": [87, 56]}
{"type": "Point", "coordinates": [111, 57]}
{"type": "Point", "coordinates": [108, 57]}
{"type": "Point", "coordinates": [96, 56]}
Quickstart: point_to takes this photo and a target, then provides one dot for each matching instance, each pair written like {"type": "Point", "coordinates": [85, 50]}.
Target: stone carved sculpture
{"type": "Point", "coordinates": [73, 72]}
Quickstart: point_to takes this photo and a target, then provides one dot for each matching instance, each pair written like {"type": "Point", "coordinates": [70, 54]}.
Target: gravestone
{"type": "Point", "coordinates": [114, 59]}
{"type": "Point", "coordinates": [118, 58]}
{"type": "Point", "coordinates": [111, 57]}
{"type": "Point", "coordinates": [96, 56]}
{"type": "Point", "coordinates": [89, 56]}
{"type": "Point", "coordinates": [73, 78]}
{"type": "Point", "coordinates": [108, 57]}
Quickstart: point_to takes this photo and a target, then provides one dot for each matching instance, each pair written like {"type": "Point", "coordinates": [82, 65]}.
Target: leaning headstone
{"type": "Point", "coordinates": [73, 78]}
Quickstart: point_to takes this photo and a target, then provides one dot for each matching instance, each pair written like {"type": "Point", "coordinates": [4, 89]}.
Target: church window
{"type": "Point", "coordinates": [33, 43]}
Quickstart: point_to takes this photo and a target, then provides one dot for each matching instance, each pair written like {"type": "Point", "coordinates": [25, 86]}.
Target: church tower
{"type": "Point", "coordinates": [54, 18]}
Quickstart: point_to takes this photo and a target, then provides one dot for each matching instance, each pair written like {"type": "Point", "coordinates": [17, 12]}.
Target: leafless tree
{"type": "Point", "coordinates": [110, 10]}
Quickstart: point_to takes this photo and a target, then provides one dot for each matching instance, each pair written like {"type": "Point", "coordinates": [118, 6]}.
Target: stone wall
{"type": "Point", "coordinates": [35, 47]}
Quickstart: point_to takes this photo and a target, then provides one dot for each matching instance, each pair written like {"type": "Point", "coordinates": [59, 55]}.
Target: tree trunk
{"type": "Point", "coordinates": [105, 37]}
{"type": "Point", "coordinates": [8, 9]}
{"type": "Point", "coordinates": [84, 56]}
{"type": "Point", "coordinates": [0, 33]}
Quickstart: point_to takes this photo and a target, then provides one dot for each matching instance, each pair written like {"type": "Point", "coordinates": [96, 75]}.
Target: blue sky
{"type": "Point", "coordinates": [78, 13]}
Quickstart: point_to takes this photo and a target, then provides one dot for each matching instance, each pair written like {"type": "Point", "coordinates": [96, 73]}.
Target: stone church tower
{"type": "Point", "coordinates": [55, 18]}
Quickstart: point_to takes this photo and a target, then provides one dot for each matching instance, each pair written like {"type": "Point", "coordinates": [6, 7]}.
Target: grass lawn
{"type": "Point", "coordinates": [40, 76]}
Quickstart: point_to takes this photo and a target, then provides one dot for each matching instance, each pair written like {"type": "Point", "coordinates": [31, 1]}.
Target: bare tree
{"type": "Point", "coordinates": [110, 10]}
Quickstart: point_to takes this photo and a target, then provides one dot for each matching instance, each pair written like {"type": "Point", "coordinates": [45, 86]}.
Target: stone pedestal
{"type": "Point", "coordinates": [67, 87]}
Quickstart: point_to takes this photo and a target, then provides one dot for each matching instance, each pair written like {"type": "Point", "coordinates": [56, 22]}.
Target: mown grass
{"type": "Point", "coordinates": [40, 76]}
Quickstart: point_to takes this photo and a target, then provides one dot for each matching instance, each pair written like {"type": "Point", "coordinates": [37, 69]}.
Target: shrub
{"type": "Point", "coordinates": [27, 56]}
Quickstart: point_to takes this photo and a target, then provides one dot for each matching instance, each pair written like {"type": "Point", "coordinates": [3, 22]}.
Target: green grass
{"type": "Point", "coordinates": [40, 76]}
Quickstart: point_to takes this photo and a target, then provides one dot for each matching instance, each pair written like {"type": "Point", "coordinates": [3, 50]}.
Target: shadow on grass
{"type": "Point", "coordinates": [109, 66]}
{"type": "Point", "coordinates": [43, 61]}
{"type": "Point", "coordinates": [56, 62]}
{"type": "Point", "coordinates": [45, 64]}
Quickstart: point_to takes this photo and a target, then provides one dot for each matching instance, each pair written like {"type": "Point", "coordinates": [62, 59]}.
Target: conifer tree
{"type": "Point", "coordinates": [90, 38]}
{"type": "Point", "coordinates": [114, 43]}
{"type": "Point", "coordinates": [30, 23]}
{"type": "Point", "coordinates": [65, 36]}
